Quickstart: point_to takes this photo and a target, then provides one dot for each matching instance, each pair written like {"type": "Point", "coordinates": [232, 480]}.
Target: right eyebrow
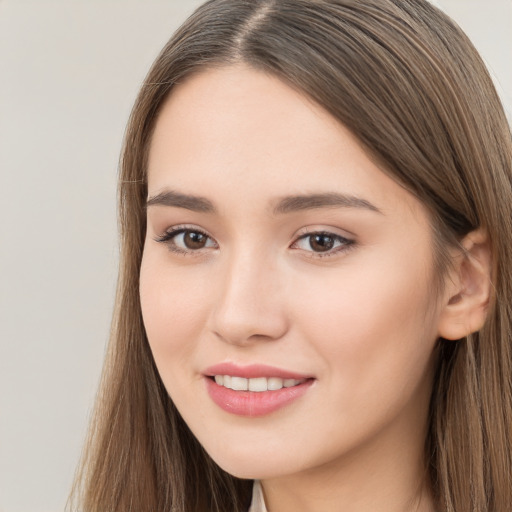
{"type": "Point", "coordinates": [179, 200]}
{"type": "Point", "coordinates": [322, 200]}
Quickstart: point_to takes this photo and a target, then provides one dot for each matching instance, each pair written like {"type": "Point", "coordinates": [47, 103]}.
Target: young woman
{"type": "Point", "coordinates": [315, 293]}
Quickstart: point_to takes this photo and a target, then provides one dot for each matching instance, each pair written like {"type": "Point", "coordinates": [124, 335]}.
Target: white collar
{"type": "Point", "coordinates": [258, 501]}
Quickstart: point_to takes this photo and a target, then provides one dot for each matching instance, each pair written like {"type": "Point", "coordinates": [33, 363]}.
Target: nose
{"type": "Point", "coordinates": [250, 306]}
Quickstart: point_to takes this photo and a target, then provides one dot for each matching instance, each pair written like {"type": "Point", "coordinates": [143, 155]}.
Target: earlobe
{"type": "Point", "coordinates": [468, 288]}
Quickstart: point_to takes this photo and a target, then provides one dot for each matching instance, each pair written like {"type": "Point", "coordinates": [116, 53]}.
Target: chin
{"type": "Point", "coordinates": [251, 466]}
{"type": "Point", "coordinates": [255, 465]}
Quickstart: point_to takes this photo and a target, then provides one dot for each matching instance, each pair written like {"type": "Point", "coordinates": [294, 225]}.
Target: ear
{"type": "Point", "coordinates": [467, 293]}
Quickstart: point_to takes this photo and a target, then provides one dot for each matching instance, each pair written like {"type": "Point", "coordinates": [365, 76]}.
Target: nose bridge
{"type": "Point", "coordinates": [249, 305]}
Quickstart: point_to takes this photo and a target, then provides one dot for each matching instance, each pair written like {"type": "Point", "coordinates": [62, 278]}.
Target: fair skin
{"type": "Point", "coordinates": [337, 290]}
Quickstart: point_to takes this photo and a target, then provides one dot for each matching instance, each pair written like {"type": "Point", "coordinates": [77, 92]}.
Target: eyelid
{"type": "Point", "coordinates": [325, 228]}
{"type": "Point", "coordinates": [168, 236]}
{"type": "Point", "coordinates": [347, 242]}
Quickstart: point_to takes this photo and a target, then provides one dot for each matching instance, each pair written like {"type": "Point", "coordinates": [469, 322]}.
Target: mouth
{"type": "Point", "coordinates": [256, 384]}
{"type": "Point", "coordinates": [254, 390]}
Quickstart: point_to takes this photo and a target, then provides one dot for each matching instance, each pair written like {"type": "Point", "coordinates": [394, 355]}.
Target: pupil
{"type": "Point", "coordinates": [194, 240]}
{"type": "Point", "coordinates": [321, 243]}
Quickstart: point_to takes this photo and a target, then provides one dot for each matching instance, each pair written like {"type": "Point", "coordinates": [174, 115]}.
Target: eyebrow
{"type": "Point", "coordinates": [179, 200]}
{"type": "Point", "coordinates": [325, 200]}
{"type": "Point", "coordinates": [284, 205]}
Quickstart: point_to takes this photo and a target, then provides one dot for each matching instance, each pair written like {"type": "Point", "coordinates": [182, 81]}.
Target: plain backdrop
{"type": "Point", "coordinates": [69, 72]}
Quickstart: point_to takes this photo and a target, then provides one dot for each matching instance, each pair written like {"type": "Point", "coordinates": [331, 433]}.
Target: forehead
{"type": "Point", "coordinates": [238, 133]}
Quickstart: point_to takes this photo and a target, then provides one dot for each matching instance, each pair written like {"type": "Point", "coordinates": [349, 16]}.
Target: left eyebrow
{"type": "Point", "coordinates": [325, 200]}
{"type": "Point", "coordinates": [179, 200]}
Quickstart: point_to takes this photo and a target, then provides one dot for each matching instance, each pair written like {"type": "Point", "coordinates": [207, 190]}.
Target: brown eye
{"type": "Point", "coordinates": [194, 240]}
{"type": "Point", "coordinates": [321, 242]}
{"type": "Point", "coordinates": [183, 240]}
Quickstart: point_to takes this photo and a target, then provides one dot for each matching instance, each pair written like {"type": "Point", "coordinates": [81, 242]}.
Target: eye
{"type": "Point", "coordinates": [322, 243]}
{"type": "Point", "coordinates": [186, 240]}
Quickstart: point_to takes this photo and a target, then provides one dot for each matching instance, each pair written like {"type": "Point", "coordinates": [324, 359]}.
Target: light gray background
{"type": "Point", "coordinates": [69, 72]}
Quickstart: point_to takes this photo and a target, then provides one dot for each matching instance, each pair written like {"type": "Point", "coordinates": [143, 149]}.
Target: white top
{"type": "Point", "coordinates": [258, 501]}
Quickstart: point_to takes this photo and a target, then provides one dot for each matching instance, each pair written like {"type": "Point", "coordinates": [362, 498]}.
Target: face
{"type": "Point", "coordinates": [286, 282]}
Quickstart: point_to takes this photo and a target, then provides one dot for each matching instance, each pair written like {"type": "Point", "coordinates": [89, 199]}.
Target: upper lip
{"type": "Point", "coordinates": [252, 371]}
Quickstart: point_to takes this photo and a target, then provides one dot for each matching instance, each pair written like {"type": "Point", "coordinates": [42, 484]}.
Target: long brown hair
{"type": "Point", "coordinates": [410, 86]}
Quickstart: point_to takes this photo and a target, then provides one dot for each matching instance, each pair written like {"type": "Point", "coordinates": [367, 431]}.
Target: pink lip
{"type": "Point", "coordinates": [252, 371]}
{"type": "Point", "coordinates": [252, 403]}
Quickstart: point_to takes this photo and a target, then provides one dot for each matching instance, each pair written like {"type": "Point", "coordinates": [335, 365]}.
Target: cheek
{"type": "Point", "coordinates": [174, 310]}
{"type": "Point", "coordinates": [373, 323]}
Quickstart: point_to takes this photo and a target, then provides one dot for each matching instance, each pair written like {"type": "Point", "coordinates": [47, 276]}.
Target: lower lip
{"type": "Point", "coordinates": [253, 403]}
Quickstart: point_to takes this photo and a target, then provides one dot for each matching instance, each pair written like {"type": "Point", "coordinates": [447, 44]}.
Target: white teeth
{"type": "Point", "coordinates": [257, 384]}
{"type": "Point", "coordinates": [274, 383]}
{"type": "Point", "coordinates": [239, 384]}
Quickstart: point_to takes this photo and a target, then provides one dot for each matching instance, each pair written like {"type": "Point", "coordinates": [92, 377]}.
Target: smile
{"type": "Point", "coordinates": [258, 384]}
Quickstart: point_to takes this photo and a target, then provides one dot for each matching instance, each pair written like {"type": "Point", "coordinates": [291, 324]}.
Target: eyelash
{"type": "Point", "coordinates": [168, 238]}
{"type": "Point", "coordinates": [345, 244]}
